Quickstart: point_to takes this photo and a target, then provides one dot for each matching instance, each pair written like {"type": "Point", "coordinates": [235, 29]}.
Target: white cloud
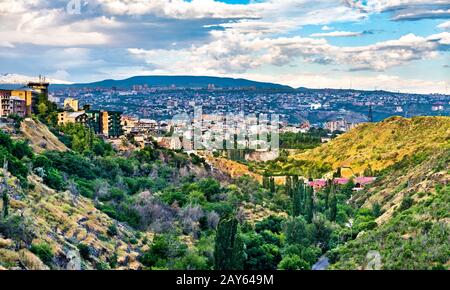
{"type": "Point", "coordinates": [50, 27]}
{"type": "Point", "coordinates": [180, 9]}
{"type": "Point", "coordinates": [378, 81]}
{"type": "Point", "coordinates": [445, 25]}
{"type": "Point", "coordinates": [337, 34]}
{"type": "Point", "coordinates": [230, 52]}
{"type": "Point", "coordinates": [404, 9]}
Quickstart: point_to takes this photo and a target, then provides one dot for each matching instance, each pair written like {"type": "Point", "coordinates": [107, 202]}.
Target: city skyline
{"type": "Point", "coordinates": [393, 45]}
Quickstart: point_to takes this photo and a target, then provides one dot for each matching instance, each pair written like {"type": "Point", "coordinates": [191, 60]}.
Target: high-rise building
{"type": "Point", "coordinates": [111, 124]}
{"type": "Point", "coordinates": [5, 96]}
{"type": "Point", "coordinates": [30, 98]}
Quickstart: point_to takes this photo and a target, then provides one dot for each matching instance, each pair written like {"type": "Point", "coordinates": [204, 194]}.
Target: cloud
{"type": "Point", "coordinates": [404, 9]}
{"type": "Point", "coordinates": [445, 25]}
{"type": "Point", "coordinates": [180, 9]}
{"type": "Point", "coordinates": [230, 52]}
{"type": "Point", "coordinates": [326, 28]}
{"type": "Point", "coordinates": [337, 34]}
{"type": "Point", "coordinates": [119, 37]}
{"type": "Point", "coordinates": [364, 82]}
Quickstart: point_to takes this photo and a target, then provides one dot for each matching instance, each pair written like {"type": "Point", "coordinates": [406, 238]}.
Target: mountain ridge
{"type": "Point", "coordinates": [179, 81]}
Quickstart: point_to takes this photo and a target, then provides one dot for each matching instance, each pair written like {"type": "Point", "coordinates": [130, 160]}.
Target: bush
{"type": "Point", "coordinates": [54, 179]}
{"type": "Point", "coordinates": [407, 202]}
{"type": "Point", "coordinates": [293, 262]}
{"type": "Point", "coordinates": [85, 251]}
{"type": "Point", "coordinates": [17, 229]}
{"type": "Point", "coordinates": [112, 230]}
{"type": "Point", "coordinates": [44, 252]}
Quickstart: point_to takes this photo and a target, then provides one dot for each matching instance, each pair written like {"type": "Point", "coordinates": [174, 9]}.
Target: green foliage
{"type": "Point", "coordinates": [112, 230]}
{"type": "Point", "coordinates": [164, 249]}
{"type": "Point", "coordinates": [297, 231]}
{"type": "Point", "coordinates": [333, 206]}
{"type": "Point", "coordinates": [303, 141]}
{"type": "Point", "coordinates": [271, 223]}
{"type": "Point", "coordinates": [15, 153]}
{"type": "Point", "coordinates": [17, 228]}
{"type": "Point", "coordinates": [85, 251]}
{"type": "Point", "coordinates": [44, 252]}
{"type": "Point", "coordinates": [410, 240]}
{"type": "Point", "coordinates": [5, 200]}
{"type": "Point", "coordinates": [82, 139]}
{"type": "Point", "coordinates": [229, 252]}
{"type": "Point", "coordinates": [293, 262]}
{"type": "Point", "coordinates": [407, 202]}
{"type": "Point", "coordinates": [54, 179]}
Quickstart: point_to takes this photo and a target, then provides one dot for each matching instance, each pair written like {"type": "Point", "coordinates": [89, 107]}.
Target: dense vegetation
{"type": "Point", "coordinates": [202, 222]}
{"type": "Point", "coordinates": [309, 140]}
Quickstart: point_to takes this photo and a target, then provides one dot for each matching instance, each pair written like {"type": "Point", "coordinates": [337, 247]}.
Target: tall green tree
{"type": "Point", "coordinates": [309, 204]}
{"type": "Point", "coordinates": [294, 181]}
{"type": "Point", "coordinates": [272, 186]}
{"type": "Point", "coordinates": [229, 247]}
{"type": "Point", "coordinates": [5, 199]}
{"type": "Point", "coordinates": [266, 182]}
{"type": "Point", "coordinates": [288, 186]}
{"type": "Point", "coordinates": [333, 204]}
{"type": "Point", "coordinates": [297, 200]}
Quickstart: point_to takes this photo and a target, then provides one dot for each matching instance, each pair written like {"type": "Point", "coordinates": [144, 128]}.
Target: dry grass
{"type": "Point", "coordinates": [382, 144]}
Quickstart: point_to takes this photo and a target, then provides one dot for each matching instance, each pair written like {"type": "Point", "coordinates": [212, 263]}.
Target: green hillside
{"type": "Point", "coordinates": [380, 145]}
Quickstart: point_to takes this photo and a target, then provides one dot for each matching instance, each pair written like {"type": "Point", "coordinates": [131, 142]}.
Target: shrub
{"type": "Point", "coordinates": [293, 262]}
{"type": "Point", "coordinates": [54, 179]}
{"type": "Point", "coordinates": [112, 230]}
{"type": "Point", "coordinates": [85, 251]}
{"type": "Point", "coordinates": [43, 251]}
{"type": "Point", "coordinates": [407, 202]}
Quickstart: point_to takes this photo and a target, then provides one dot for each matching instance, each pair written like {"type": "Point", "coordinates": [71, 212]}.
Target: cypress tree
{"type": "Point", "coordinates": [5, 199]}
{"type": "Point", "coordinates": [327, 192]}
{"type": "Point", "coordinates": [272, 185]}
{"type": "Point", "coordinates": [297, 202]}
{"type": "Point", "coordinates": [295, 181]}
{"type": "Point", "coordinates": [266, 182]}
{"type": "Point", "coordinates": [333, 205]}
{"type": "Point", "coordinates": [288, 186]}
{"type": "Point", "coordinates": [229, 247]}
{"type": "Point", "coordinates": [309, 204]}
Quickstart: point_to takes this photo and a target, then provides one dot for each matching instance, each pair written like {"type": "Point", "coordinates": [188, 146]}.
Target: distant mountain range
{"type": "Point", "coordinates": [8, 81]}
{"type": "Point", "coordinates": [178, 81]}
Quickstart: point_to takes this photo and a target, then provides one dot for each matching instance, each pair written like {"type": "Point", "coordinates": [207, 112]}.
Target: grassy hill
{"type": "Point", "coordinates": [413, 227]}
{"type": "Point", "coordinates": [380, 145]}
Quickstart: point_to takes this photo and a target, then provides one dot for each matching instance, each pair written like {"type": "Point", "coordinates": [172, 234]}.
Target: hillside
{"type": "Point", "coordinates": [179, 81]}
{"type": "Point", "coordinates": [155, 208]}
{"type": "Point", "coordinates": [380, 145]}
{"type": "Point", "coordinates": [40, 137]}
{"type": "Point", "coordinates": [65, 223]}
{"type": "Point", "coordinates": [413, 227]}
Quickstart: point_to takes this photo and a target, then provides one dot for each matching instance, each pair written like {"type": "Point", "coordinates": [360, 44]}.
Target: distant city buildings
{"type": "Point", "coordinates": [71, 104]}
{"type": "Point", "coordinates": [105, 123]}
{"type": "Point", "coordinates": [339, 125]}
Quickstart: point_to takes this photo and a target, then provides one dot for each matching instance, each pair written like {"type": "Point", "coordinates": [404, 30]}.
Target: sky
{"type": "Point", "coordinates": [397, 45]}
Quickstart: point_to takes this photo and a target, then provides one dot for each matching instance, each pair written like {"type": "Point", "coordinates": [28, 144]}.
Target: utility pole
{"type": "Point", "coordinates": [370, 116]}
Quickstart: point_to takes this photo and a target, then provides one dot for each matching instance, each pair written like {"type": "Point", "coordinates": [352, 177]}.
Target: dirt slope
{"type": "Point", "coordinates": [40, 137]}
